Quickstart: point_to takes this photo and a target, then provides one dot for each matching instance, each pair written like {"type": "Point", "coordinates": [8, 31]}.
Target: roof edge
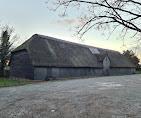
{"type": "Point", "coordinates": [69, 42]}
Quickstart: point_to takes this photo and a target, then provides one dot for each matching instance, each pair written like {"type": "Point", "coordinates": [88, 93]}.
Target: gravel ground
{"type": "Point", "coordinates": [103, 97]}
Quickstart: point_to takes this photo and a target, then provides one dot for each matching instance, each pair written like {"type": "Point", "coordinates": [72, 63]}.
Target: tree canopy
{"type": "Point", "coordinates": [105, 14]}
{"type": "Point", "coordinates": [6, 42]}
{"type": "Point", "coordinates": [132, 57]}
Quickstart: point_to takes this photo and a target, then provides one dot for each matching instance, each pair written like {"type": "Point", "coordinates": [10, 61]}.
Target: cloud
{"type": "Point", "coordinates": [81, 21]}
{"type": "Point", "coordinates": [68, 22]}
{"type": "Point", "coordinates": [65, 22]}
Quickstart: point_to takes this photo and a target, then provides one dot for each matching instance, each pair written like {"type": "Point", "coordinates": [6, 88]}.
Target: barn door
{"type": "Point", "coordinates": [106, 65]}
{"type": "Point", "coordinates": [55, 72]}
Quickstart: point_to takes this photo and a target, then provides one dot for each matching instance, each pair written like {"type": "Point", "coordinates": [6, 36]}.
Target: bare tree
{"type": "Point", "coordinates": [104, 14]}
{"type": "Point", "coordinates": [137, 50]}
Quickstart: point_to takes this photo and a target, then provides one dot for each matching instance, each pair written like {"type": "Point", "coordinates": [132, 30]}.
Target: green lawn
{"type": "Point", "coordinates": [6, 83]}
{"type": "Point", "coordinates": [138, 72]}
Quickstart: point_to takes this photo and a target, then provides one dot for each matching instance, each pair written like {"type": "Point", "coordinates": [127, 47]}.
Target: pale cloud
{"type": "Point", "coordinates": [81, 21]}
{"type": "Point", "coordinates": [65, 22]}
{"type": "Point", "coordinates": [68, 22]}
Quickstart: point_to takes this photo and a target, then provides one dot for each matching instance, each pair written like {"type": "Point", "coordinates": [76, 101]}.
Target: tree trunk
{"type": "Point", "coordinates": [2, 68]}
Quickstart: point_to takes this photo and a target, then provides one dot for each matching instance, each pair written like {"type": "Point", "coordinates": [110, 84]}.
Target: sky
{"type": "Point", "coordinates": [29, 17]}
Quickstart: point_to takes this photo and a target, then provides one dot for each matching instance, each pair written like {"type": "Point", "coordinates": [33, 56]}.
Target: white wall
{"type": "Point", "coordinates": [106, 65]}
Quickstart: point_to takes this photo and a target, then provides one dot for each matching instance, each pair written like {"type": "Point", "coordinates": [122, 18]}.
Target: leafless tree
{"type": "Point", "coordinates": [104, 14]}
{"type": "Point", "coordinates": [137, 50]}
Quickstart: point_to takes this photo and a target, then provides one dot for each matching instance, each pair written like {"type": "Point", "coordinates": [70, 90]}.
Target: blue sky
{"type": "Point", "coordinates": [32, 16]}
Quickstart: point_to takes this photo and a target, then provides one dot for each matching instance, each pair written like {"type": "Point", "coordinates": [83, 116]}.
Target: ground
{"type": "Point", "coordinates": [6, 82]}
{"type": "Point", "coordinates": [102, 97]}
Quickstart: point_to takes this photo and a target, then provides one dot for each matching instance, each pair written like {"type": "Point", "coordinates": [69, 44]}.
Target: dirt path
{"type": "Point", "coordinates": [103, 97]}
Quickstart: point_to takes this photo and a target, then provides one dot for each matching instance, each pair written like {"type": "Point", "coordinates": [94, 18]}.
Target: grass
{"type": "Point", "coordinates": [7, 83]}
{"type": "Point", "coordinates": [138, 72]}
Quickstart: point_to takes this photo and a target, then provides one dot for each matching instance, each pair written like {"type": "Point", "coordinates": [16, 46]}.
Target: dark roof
{"type": "Point", "coordinates": [101, 57]}
{"type": "Point", "coordinates": [49, 51]}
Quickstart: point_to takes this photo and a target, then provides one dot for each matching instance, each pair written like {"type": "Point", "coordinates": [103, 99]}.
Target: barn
{"type": "Point", "coordinates": [42, 57]}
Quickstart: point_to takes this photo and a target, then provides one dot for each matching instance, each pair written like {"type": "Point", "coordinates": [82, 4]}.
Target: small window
{"type": "Point", "coordinates": [94, 51]}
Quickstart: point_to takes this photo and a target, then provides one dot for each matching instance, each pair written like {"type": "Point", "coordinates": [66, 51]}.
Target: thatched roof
{"type": "Point", "coordinates": [49, 51]}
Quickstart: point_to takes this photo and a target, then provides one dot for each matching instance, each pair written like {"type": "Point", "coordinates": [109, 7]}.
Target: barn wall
{"type": "Point", "coordinates": [20, 65]}
{"type": "Point", "coordinates": [121, 71]}
{"type": "Point", "coordinates": [41, 73]}
{"type": "Point", "coordinates": [79, 72]}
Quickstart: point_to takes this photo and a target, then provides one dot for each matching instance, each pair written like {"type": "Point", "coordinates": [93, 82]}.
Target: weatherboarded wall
{"type": "Point", "coordinates": [121, 71]}
{"type": "Point", "coordinates": [41, 73]}
{"type": "Point", "coordinates": [20, 65]}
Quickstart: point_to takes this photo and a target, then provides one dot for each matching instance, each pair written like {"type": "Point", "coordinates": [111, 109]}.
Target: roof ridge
{"type": "Point", "coordinates": [69, 42]}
